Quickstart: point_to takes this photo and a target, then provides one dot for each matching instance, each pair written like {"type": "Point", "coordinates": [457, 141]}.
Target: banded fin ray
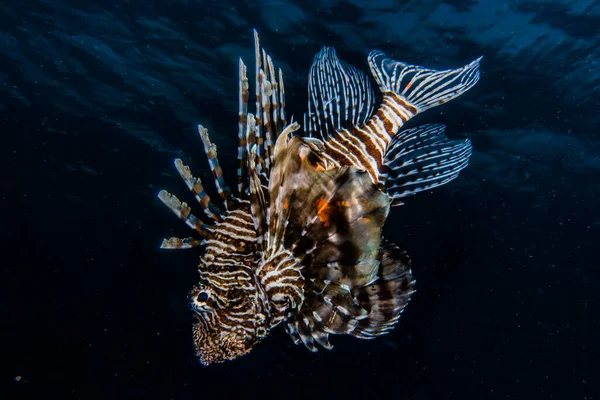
{"type": "Point", "coordinates": [423, 158]}
{"type": "Point", "coordinates": [270, 108]}
{"type": "Point", "coordinates": [285, 170]}
{"type": "Point", "coordinates": [184, 212]}
{"type": "Point", "coordinates": [195, 185]}
{"type": "Point", "coordinates": [269, 116]}
{"type": "Point", "coordinates": [258, 202]}
{"type": "Point", "coordinates": [211, 153]}
{"type": "Point", "coordinates": [244, 94]}
{"type": "Point", "coordinates": [231, 228]}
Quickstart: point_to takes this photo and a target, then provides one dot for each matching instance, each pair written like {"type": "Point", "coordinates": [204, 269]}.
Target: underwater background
{"type": "Point", "coordinates": [99, 97]}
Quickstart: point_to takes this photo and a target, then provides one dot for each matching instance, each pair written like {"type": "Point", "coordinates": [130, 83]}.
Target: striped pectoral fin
{"type": "Point", "coordinates": [387, 296]}
{"type": "Point", "coordinates": [307, 328]}
{"type": "Point", "coordinates": [423, 158]}
{"type": "Point", "coordinates": [340, 299]}
{"type": "Point", "coordinates": [327, 309]}
{"type": "Point", "coordinates": [311, 331]}
{"type": "Point", "coordinates": [179, 243]}
{"type": "Point", "coordinates": [422, 88]}
{"type": "Point", "coordinates": [184, 212]}
{"type": "Point", "coordinates": [195, 185]}
{"type": "Point", "coordinates": [303, 327]}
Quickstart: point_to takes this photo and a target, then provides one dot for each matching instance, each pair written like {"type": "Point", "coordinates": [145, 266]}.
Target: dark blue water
{"type": "Point", "coordinates": [99, 97]}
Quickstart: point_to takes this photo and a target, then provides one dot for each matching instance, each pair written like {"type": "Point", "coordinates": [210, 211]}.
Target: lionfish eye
{"type": "Point", "coordinates": [202, 297]}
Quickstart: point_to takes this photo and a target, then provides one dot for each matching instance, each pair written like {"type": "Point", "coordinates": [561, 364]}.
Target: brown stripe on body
{"type": "Point", "coordinates": [394, 112]}
{"type": "Point", "coordinates": [344, 141]}
{"type": "Point", "coordinates": [374, 144]}
{"type": "Point", "coordinates": [345, 153]}
{"type": "Point", "coordinates": [362, 150]}
{"type": "Point", "coordinates": [233, 242]}
{"type": "Point", "coordinates": [345, 146]}
{"type": "Point", "coordinates": [282, 280]}
{"type": "Point", "coordinates": [337, 152]}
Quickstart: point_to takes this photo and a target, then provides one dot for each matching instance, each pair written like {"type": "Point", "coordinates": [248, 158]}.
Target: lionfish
{"type": "Point", "coordinates": [300, 242]}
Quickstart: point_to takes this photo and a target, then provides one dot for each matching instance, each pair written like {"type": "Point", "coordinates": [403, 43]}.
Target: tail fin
{"type": "Point", "coordinates": [422, 158]}
{"type": "Point", "coordinates": [340, 104]}
{"type": "Point", "coordinates": [422, 88]}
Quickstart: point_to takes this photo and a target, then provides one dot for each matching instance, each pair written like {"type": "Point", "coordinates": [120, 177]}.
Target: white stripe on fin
{"type": "Point", "coordinates": [423, 88]}
{"type": "Point", "coordinates": [422, 158]}
{"type": "Point", "coordinates": [339, 94]}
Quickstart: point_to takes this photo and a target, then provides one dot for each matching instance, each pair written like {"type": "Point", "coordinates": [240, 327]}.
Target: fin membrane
{"type": "Point", "coordinates": [339, 95]}
{"type": "Point", "coordinates": [423, 88]}
{"type": "Point", "coordinates": [365, 311]}
{"type": "Point", "coordinates": [387, 296]}
{"type": "Point", "coordinates": [422, 158]}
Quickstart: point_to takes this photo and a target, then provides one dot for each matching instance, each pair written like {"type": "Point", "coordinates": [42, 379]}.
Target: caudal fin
{"type": "Point", "coordinates": [420, 87]}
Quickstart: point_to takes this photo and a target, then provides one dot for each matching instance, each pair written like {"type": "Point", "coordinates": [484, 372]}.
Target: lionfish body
{"type": "Point", "coordinates": [301, 241]}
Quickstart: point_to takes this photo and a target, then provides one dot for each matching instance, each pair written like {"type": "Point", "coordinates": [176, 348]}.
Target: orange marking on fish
{"type": "Point", "coordinates": [286, 204]}
{"type": "Point", "coordinates": [323, 211]}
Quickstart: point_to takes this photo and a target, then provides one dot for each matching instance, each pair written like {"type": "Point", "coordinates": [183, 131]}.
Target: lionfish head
{"type": "Point", "coordinates": [232, 316]}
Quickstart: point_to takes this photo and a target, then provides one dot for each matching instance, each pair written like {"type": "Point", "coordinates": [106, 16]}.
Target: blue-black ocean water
{"type": "Point", "coordinates": [98, 97]}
